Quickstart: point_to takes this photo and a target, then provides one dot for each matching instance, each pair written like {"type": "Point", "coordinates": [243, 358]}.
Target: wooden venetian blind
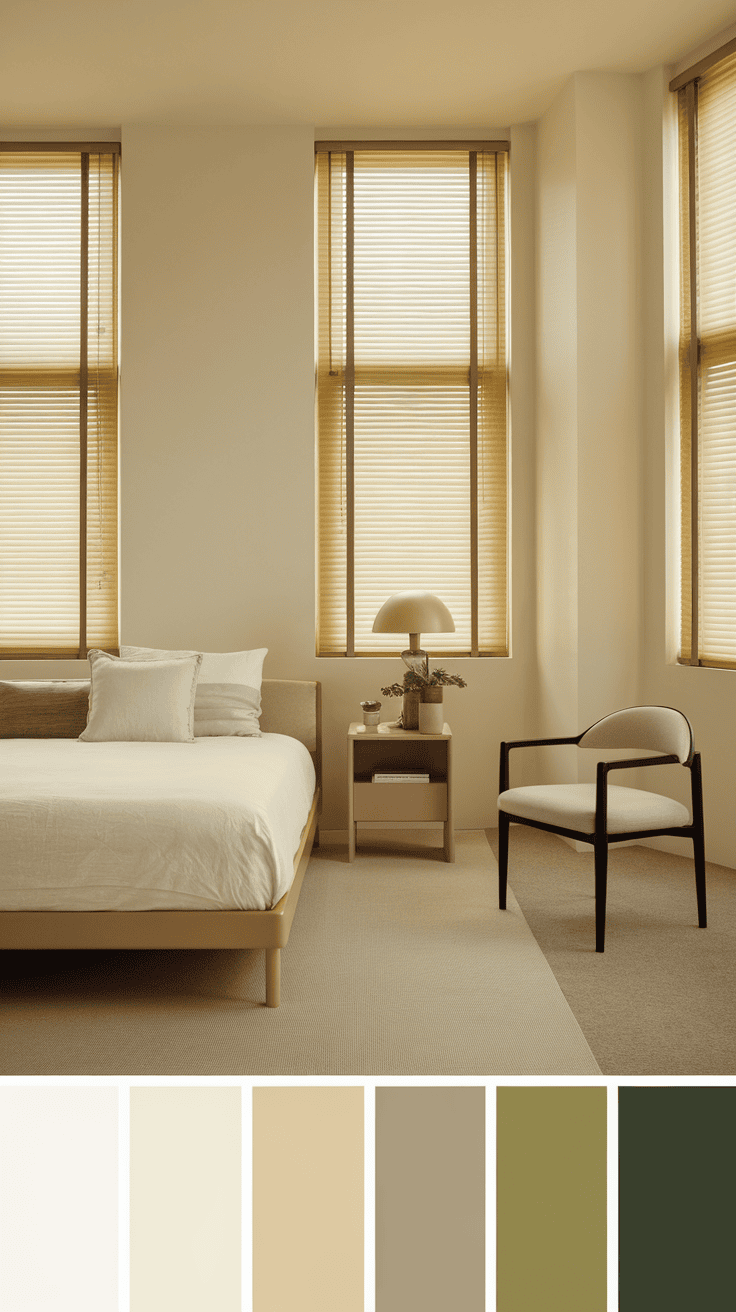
{"type": "Point", "coordinates": [707, 112]}
{"type": "Point", "coordinates": [58, 399]}
{"type": "Point", "coordinates": [412, 390]}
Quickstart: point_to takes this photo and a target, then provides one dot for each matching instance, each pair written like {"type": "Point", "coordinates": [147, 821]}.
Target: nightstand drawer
{"type": "Point", "coordinates": [400, 801]}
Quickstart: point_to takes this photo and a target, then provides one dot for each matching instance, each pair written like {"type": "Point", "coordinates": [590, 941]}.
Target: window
{"type": "Point", "coordinates": [412, 389]}
{"type": "Point", "coordinates": [58, 399]}
{"type": "Point", "coordinates": [707, 114]}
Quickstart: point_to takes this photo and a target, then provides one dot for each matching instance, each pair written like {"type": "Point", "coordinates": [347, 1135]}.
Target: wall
{"type": "Point", "coordinates": [217, 528]}
{"type": "Point", "coordinates": [708, 697]}
{"type": "Point", "coordinates": [607, 458]}
{"type": "Point", "coordinates": [590, 408]}
{"type": "Point", "coordinates": [217, 449]}
{"type": "Point", "coordinates": [557, 429]}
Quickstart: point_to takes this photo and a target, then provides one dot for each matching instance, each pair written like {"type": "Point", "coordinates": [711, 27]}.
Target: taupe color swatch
{"type": "Point", "coordinates": [185, 1199]}
{"type": "Point", "coordinates": [308, 1199]}
{"type": "Point", "coordinates": [430, 1199]}
{"type": "Point", "coordinates": [551, 1199]}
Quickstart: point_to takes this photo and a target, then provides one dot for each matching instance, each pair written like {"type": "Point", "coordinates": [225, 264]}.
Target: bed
{"type": "Point", "coordinates": [248, 806]}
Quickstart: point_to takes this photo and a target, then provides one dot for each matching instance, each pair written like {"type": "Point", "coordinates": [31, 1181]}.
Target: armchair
{"type": "Point", "coordinates": [604, 813]}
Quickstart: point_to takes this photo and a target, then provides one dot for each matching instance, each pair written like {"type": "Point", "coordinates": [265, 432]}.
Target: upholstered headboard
{"type": "Point", "coordinates": [58, 709]}
{"type": "Point", "coordinates": [294, 707]}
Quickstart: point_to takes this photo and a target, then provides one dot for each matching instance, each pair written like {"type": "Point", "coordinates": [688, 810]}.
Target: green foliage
{"type": "Point", "coordinates": [414, 682]}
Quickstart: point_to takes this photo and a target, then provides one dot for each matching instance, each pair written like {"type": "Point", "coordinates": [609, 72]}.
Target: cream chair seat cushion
{"type": "Point", "coordinates": [572, 806]}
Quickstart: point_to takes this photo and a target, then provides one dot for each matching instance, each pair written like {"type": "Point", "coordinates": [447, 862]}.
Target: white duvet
{"type": "Point", "coordinates": [212, 824]}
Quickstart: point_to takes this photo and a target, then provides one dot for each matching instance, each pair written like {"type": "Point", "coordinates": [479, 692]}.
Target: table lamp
{"type": "Point", "coordinates": [414, 613]}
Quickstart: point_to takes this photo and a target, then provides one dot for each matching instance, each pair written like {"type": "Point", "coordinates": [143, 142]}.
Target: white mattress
{"type": "Point", "coordinates": [212, 824]}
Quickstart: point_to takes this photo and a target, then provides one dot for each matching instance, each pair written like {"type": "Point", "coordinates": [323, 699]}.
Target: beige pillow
{"type": "Point", "coordinates": [228, 701]}
{"type": "Point", "coordinates": [141, 701]}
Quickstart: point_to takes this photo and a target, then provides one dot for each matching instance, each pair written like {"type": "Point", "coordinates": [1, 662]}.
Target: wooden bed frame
{"type": "Point", "coordinates": [288, 706]}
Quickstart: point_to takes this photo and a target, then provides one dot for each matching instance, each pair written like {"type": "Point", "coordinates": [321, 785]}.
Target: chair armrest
{"type": "Point", "coordinates": [643, 760]}
{"type": "Point", "coordinates": [601, 783]}
{"type": "Point", "coordinates": [527, 742]}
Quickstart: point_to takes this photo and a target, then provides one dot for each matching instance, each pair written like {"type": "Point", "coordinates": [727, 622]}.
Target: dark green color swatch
{"type": "Point", "coordinates": [677, 1191]}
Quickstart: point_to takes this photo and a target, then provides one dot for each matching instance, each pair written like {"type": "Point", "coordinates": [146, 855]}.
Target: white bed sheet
{"type": "Point", "coordinates": [212, 824]}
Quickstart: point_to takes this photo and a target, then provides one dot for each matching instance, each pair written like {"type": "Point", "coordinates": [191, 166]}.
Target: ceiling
{"type": "Point", "coordinates": [378, 63]}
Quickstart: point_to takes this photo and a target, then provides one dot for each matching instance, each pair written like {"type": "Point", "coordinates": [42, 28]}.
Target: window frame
{"type": "Point", "coordinates": [692, 348]}
{"type": "Point", "coordinates": [97, 384]}
{"type": "Point", "coordinates": [473, 149]}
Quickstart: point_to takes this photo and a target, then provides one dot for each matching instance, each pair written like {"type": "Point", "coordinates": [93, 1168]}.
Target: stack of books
{"type": "Point", "coordinates": [401, 777]}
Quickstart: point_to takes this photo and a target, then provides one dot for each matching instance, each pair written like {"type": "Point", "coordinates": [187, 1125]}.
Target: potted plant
{"type": "Point", "coordinates": [418, 688]}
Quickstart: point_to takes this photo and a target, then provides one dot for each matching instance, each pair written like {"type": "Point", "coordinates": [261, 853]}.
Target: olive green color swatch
{"type": "Point", "coordinates": [551, 1199]}
{"type": "Point", "coordinates": [430, 1199]}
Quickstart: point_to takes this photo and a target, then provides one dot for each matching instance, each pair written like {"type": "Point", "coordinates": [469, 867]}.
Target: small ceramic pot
{"type": "Point", "coordinates": [371, 713]}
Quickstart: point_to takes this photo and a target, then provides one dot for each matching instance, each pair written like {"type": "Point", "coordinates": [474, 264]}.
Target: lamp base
{"type": "Point", "coordinates": [416, 660]}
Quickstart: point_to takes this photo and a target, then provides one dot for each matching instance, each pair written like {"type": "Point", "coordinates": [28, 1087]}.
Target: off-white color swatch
{"type": "Point", "coordinates": [185, 1192]}
{"type": "Point", "coordinates": [58, 1199]}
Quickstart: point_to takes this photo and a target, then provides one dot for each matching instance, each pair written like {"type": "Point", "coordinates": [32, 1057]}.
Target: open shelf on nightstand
{"type": "Point", "coordinates": [384, 747]}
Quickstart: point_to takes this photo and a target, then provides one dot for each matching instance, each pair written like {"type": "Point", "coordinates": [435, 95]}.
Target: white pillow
{"type": "Point", "coordinates": [228, 700]}
{"type": "Point", "coordinates": [138, 701]}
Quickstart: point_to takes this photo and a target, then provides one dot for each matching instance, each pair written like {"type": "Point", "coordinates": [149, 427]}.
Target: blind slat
{"type": "Point", "coordinates": [711, 601]}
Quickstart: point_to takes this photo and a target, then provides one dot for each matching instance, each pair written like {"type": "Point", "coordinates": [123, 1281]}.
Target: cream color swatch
{"type": "Point", "coordinates": [308, 1219]}
{"type": "Point", "coordinates": [185, 1199]}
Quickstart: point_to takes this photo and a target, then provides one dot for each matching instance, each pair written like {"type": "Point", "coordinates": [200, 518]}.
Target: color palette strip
{"type": "Point", "coordinates": [551, 1199]}
{"type": "Point", "coordinates": [199, 1159]}
{"type": "Point", "coordinates": [677, 1201]}
{"type": "Point", "coordinates": [430, 1199]}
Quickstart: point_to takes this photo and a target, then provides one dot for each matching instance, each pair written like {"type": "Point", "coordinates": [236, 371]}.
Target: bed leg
{"type": "Point", "coordinates": [273, 977]}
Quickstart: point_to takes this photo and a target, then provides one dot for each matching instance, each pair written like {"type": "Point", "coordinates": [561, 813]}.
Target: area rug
{"type": "Point", "coordinates": [398, 964]}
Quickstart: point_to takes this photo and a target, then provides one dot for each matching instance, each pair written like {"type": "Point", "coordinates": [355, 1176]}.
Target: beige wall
{"type": "Point", "coordinates": [708, 697]}
{"type": "Point", "coordinates": [606, 511]}
{"type": "Point", "coordinates": [217, 450]}
{"type": "Point", "coordinates": [557, 427]}
{"type": "Point", "coordinates": [589, 387]}
{"type": "Point", "coordinates": [217, 510]}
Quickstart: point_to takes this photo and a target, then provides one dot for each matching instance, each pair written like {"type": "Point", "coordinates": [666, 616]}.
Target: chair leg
{"type": "Point", "coordinates": [601, 870]}
{"type": "Point", "coordinates": [698, 837]}
{"type": "Point", "coordinates": [503, 857]}
{"type": "Point", "coordinates": [699, 857]}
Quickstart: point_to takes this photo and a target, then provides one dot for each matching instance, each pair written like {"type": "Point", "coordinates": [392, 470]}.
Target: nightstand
{"type": "Point", "coordinates": [385, 748]}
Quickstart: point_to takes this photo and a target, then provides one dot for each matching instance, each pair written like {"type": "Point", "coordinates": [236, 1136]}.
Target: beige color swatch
{"type": "Point", "coordinates": [430, 1199]}
{"type": "Point", "coordinates": [185, 1199]}
{"type": "Point", "coordinates": [308, 1209]}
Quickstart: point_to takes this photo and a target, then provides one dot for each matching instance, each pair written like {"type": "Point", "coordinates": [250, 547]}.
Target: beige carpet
{"type": "Point", "coordinates": [398, 964]}
{"type": "Point", "coordinates": [661, 999]}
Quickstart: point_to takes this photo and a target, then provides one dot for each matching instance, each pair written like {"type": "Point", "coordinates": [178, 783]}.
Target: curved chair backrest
{"type": "Point", "coordinates": [651, 728]}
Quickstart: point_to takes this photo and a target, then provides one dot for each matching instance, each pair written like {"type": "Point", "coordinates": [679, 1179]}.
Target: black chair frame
{"type": "Point", "coordinates": [600, 839]}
